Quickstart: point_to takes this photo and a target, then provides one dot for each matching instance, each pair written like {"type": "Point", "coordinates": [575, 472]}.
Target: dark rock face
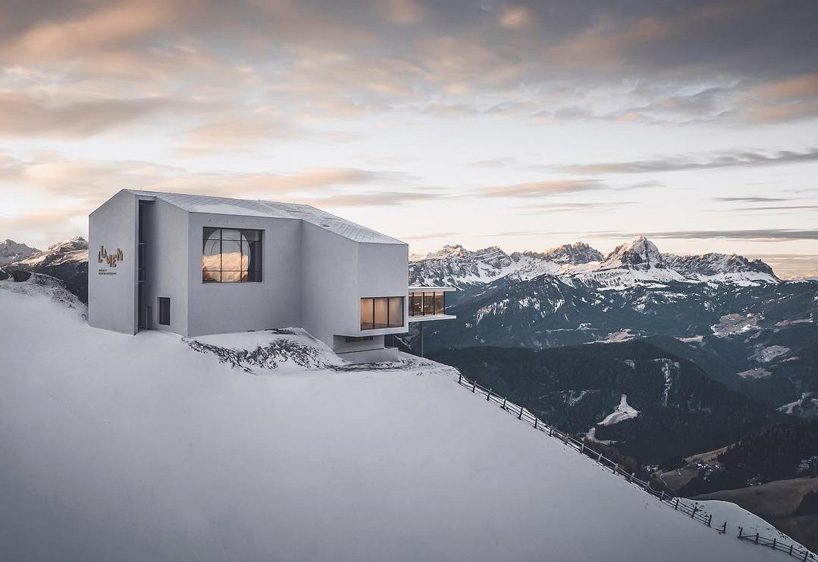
{"type": "Point", "coordinates": [19, 276]}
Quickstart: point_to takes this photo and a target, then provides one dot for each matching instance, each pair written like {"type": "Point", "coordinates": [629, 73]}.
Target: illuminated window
{"type": "Point", "coordinates": [381, 312]}
{"type": "Point", "coordinates": [427, 303]}
{"type": "Point", "coordinates": [231, 255]}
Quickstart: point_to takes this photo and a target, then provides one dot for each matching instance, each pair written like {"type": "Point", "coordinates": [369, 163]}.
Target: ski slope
{"type": "Point", "coordinates": [135, 448]}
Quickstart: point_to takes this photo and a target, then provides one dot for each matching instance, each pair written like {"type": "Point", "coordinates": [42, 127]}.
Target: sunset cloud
{"type": "Point", "coordinates": [24, 115]}
{"type": "Point", "coordinates": [103, 26]}
{"type": "Point", "coordinates": [543, 188]}
{"type": "Point", "coordinates": [520, 109]}
{"type": "Point", "coordinates": [681, 163]}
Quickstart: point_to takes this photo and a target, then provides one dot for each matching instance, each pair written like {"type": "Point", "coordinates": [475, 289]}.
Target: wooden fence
{"type": "Point", "coordinates": [682, 505]}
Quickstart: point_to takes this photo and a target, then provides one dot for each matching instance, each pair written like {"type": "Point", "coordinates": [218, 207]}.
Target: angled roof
{"type": "Point", "coordinates": [273, 209]}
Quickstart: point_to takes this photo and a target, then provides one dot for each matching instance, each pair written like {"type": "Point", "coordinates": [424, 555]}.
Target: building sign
{"type": "Point", "coordinates": [111, 260]}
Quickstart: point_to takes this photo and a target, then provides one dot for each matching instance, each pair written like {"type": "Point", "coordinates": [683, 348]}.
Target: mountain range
{"type": "Point", "coordinates": [731, 316]}
{"type": "Point", "coordinates": [636, 261]}
{"type": "Point", "coordinates": [66, 260]}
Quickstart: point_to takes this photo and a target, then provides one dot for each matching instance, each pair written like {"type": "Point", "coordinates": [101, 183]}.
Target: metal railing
{"type": "Point", "coordinates": [683, 505]}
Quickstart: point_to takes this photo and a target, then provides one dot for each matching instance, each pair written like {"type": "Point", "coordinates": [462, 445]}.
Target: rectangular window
{"type": "Point", "coordinates": [440, 302]}
{"type": "Point", "coordinates": [395, 312]}
{"type": "Point", "coordinates": [428, 304]}
{"type": "Point", "coordinates": [367, 314]}
{"type": "Point", "coordinates": [164, 311]}
{"type": "Point", "coordinates": [231, 255]}
{"type": "Point", "coordinates": [415, 304]}
{"type": "Point", "coordinates": [381, 312]}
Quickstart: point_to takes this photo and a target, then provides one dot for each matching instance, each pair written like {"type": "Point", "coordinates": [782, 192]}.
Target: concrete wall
{"type": "Point", "coordinates": [112, 290]}
{"type": "Point", "coordinates": [275, 302]}
{"type": "Point", "coordinates": [383, 271]}
{"type": "Point", "coordinates": [165, 230]}
{"type": "Point", "coordinates": [337, 273]}
{"type": "Point", "coordinates": [330, 281]}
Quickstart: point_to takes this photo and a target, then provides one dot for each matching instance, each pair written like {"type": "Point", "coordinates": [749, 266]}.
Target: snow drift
{"type": "Point", "coordinates": [118, 447]}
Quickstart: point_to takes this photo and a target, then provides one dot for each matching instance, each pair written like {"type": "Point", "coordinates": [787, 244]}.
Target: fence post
{"type": "Point", "coordinates": [677, 504]}
{"type": "Point", "coordinates": [615, 468]}
{"type": "Point", "coordinates": [709, 519]}
{"type": "Point", "coordinates": [536, 419]}
{"type": "Point", "coordinates": [790, 550]}
{"type": "Point", "coordinates": [521, 413]}
{"type": "Point", "coordinates": [504, 403]}
{"type": "Point", "coordinates": [724, 528]}
{"type": "Point", "coordinates": [806, 552]}
{"type": "Point", "coordinates": [488, 396]}
{"type": "Point", "coordinates": [662, 497]}
{"type": "Point", "coordinates": [599, 458]}
{"type": "Point", "coordinates": [550, 431]}
{"type": "Point", "coordinates": [630, 477]}
{"type": "Point", "coordinates": [695, 508]}
{"type": "Point", "coordinates": [756, 538]}
{"type": "Point", "coordinates": [740, 531]}
{"type": "Point", "coordinates": [773, 543]}
{"type": "Point", "coordinates": [582, 448]}
{"type": "Point", "coordinates": [459, 377]}
{"type": "Point", "coordinates": [473, 387]}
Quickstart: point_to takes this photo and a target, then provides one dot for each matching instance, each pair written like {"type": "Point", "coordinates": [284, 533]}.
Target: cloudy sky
{"type": "Point", "coordinates": [517, 124]}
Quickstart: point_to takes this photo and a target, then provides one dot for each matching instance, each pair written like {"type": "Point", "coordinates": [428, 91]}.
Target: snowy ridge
{"type": "Point", "coordinates": [46, 286]}
{"type": "Point", "coordinates": [283, 350]}
{"type": "Point", "coordinates": [73, 250]}
{"type": "Point", "coordinates": [636, 262]}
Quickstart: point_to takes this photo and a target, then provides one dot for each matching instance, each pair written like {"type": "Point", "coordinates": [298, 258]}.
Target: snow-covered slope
{"type": "Point", "coordinates": [623, 411]}
{"type": "Point", "coordinates": [807, 406]}
{"type": "Point", "coordinates": [118, 447]}
{"type": "Point", "coordinates": [635, 262]}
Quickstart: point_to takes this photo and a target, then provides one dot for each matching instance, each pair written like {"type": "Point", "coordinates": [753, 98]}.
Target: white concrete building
{"type": "Point", "coordinates": [198, 265]}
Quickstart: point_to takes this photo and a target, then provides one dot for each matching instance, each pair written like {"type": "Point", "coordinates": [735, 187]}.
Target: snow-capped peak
{"type": "Point", "coordinates": [637, 253]}
{"type": "Point", "coordinates": [567, 254]}
{"type": "Point", "coordinates": [447, 251]}
{"type": "Point", "coordinates": [11, 251]}
{"type": "Point", "coordinates": [73, 243]}
{"type": "Point", "coordinates": [74, 249]}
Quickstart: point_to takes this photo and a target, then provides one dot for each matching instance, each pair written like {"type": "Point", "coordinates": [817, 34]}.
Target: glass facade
{"type": "Point", "coordinates": [427, 303]}
{"type": "Point", "coordinates": [381, 312]}
{"type": "Point", "coordinates": [231, 255]}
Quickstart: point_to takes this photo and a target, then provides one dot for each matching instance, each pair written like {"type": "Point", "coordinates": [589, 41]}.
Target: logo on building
{"type": "Point", "coordinates": [111, 259]}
